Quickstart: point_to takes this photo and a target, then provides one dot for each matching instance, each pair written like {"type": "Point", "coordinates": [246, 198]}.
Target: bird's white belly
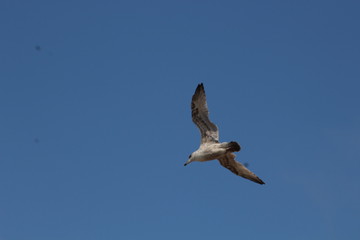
{"type": "Point", "coordinates": [211, 153]}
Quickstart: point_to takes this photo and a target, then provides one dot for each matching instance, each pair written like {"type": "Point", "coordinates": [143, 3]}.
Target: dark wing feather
{"type": "Point", "coordinates": [200, 116]}
{"type": "Point", "coordinates": [230, 163]}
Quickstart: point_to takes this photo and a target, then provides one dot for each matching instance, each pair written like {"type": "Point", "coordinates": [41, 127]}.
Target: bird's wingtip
{"type": "Point", "coordinates": [199, 89]}
{"type": "Point", "coordinates": [260, 181]}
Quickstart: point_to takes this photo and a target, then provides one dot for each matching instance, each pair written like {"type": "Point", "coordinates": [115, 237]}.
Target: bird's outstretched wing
{"type": "Point", "coordinates": [230, 163]}
{"type": "Point", "coordinates": [200, 116]}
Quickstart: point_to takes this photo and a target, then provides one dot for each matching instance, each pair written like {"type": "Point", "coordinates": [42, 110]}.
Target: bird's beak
{"type": "Point", "coordinates": [187, 162]}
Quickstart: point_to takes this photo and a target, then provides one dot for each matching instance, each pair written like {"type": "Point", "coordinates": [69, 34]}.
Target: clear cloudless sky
{"type": "Point", "coordinates": [95, 122]}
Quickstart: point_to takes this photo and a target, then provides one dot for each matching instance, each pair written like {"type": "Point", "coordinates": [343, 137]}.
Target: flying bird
{"type": "Point", "coordinates": [210, 147]}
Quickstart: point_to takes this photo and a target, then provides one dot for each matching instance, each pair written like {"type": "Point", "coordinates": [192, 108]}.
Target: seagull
{"type": "Point", "coordinates": [210, 147]}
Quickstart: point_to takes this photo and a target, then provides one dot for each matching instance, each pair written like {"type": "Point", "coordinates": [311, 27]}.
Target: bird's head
{"type": "Point", "coordinates": [191, 158]}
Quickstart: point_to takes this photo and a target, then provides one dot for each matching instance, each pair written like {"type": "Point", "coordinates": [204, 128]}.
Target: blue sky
{"type": "Point", "coordinates": [95, 121]}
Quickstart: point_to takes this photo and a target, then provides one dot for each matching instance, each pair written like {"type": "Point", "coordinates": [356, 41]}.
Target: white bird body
{"type": "Point", "coordinates": [208, 152]}
{"type": "Point", "coordinates": [210, 147]}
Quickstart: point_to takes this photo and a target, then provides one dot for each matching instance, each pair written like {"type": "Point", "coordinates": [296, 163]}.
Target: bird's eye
{"type": "Point", "coordinates": [190, 156]}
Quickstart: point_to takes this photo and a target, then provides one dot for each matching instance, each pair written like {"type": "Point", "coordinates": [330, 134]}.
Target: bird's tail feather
{"type": "Point", "coordinates": [233, 147]}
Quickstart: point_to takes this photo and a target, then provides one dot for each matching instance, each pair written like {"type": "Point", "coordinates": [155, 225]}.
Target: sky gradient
{"type": "Point", "coordinates": [95, 122]}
